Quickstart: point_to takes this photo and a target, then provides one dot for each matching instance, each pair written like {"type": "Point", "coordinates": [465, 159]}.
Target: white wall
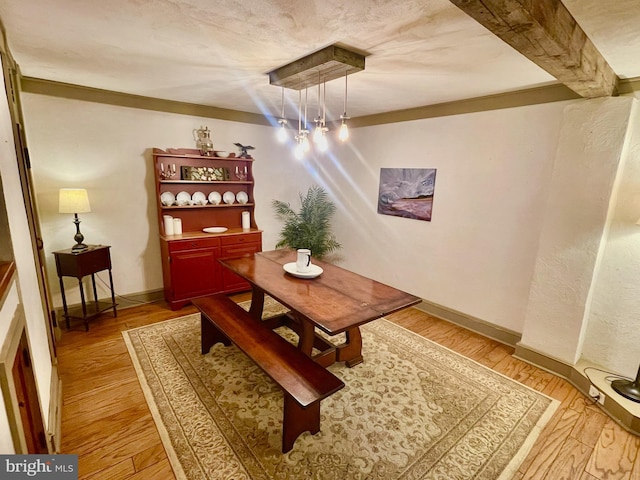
{"type": "Point", "coordinates": [612, 336]}
{"type": "Point", "coordinates": [477, 254]}
{"type": "Point", "coordinates": [574, 233]}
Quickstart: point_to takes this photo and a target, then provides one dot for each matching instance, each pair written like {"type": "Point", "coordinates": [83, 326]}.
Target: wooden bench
{"type": "Point", "coordinates": [304, 382]}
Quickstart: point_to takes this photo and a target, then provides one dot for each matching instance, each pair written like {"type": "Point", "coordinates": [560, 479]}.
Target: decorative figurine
{"type": "Point", "coordinates": [244, 149]}
{"type": "Point", "coordinates": [204, 142]}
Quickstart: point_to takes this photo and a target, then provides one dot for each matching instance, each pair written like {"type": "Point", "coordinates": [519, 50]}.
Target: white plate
{"type": "Point", "coordinates": [167, 198]}
{"type": "Point", "coordinates": [313, 273]}
{"type": "Point", "coordinates": [242, 197]}
{"type": "Point", "coordinates": [199, 198]}
{"type": "Point", "coordinates": [228, 197]}
{"type": "Point", "coordinates": [183, 198]}
{"type": "Point", "coordinates": [215, 229]}
{"type": "Point", "coordinates": [215, 198]}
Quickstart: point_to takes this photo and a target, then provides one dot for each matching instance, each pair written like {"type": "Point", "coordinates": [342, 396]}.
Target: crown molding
{"type": "Point", "coordinates": [520, 98]}
{"type": "Point", "coordinates": [88, 94]}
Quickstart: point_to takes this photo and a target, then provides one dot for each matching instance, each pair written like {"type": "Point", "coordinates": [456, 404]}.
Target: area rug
{"type": "Point", "coordinates": [412, 410]}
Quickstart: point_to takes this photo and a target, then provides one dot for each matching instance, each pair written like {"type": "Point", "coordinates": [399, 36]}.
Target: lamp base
{"type": "Point", "coordinates": [627, 389]}
{"type": "Point", "coordinates": [78, 237]}
{"type": "Point", "coordinates": [79, 247]}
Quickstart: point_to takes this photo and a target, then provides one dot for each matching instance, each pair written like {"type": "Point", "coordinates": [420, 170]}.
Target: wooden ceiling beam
{"type": "Point", "coordinates": [546, 33]}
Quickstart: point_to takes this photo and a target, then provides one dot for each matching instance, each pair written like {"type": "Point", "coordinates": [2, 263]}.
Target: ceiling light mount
{"type": "Point", "coordinates": [324, 65]}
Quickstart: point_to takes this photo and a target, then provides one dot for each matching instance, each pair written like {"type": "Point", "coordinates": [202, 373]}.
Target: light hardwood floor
{"type": "Point", "coordinates": [106, 421]}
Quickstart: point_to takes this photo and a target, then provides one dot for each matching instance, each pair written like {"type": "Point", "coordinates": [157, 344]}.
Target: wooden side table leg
{"type": "Point", "coordinates": [95, 291]}
{"type": "Point", "coordinates": [64, 303]}
{"type": "Point", "coordinates": [84, 305]}
{"type": "Point", "coordinates": [113, 295]}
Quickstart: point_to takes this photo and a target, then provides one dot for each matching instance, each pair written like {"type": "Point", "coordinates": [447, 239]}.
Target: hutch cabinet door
{"type": "Point", "coordinates": [195, 273]}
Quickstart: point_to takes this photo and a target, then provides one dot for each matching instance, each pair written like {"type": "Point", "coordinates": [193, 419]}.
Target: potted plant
{"type": "Point", "coordinates": [310, 227]}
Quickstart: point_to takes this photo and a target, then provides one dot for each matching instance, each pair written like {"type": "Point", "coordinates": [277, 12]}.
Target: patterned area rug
{"type": "Point", "coordinates": [412, 410]}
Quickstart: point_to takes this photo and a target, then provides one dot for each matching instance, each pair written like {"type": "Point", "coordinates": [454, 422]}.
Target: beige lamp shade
{"type": "Point", "coordinates": [73, 200]}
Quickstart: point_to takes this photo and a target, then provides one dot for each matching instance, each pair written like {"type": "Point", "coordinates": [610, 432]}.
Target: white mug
{"type": "Point", "coordinates": [303, 263]}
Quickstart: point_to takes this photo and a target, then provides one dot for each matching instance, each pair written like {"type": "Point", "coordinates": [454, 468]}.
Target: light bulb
{"type": "Point", "coordinates": [306, 146]}
{"type": "Point", "coordinates": [299, 151]}
{"type": "Point", "coordinates": [317, 134]}
{"type": "Point", "coordinates": [323, 145]}
{"type": "Point", "coordinates": [282, 133]}
{"type": "Point", "coordinates": [343, 134]}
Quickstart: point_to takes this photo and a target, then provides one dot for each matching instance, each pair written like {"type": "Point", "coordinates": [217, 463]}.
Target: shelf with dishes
{"type": "Point", "coordinates": [208, 182]}
{"type": "Point", "coordinates": [221, 205]}
{"type": "Point", "coordinates": [184, 198]}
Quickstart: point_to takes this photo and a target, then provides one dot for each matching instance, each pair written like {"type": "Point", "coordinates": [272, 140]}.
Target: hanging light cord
{"type": "Point", "coordinates": [345, 92]}
{"type": "Point", "coordinates": [324, 105]}
{"type": "Point", "coordinates": [299, 112]}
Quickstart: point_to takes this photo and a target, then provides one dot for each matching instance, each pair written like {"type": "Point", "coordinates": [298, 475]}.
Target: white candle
{"type": "Point", "coordinates": [245, 169]}
{"type": "Point", "coordinates": [162, 168]}
{"type": "Point", "coordinates": [174, 168]}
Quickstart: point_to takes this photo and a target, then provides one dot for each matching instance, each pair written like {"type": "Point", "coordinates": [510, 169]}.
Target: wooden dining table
{"type": "Point", "coordinates": [337, 301]}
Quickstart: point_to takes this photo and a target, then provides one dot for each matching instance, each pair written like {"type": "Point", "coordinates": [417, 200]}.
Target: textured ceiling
{"type": "Point", "coordinates": [218, 52]}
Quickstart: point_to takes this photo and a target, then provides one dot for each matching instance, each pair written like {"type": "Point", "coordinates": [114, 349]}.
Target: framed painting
{"type": "Point", "coordinates": [407, 192]}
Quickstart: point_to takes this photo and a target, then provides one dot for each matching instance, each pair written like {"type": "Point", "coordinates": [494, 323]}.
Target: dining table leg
{"type": "Point", "coordinates": [307, 340]}
{"type": "Point", "coordinates": [350, 352]}
{"type": "Point", "coordinates": [257, 302]}
{"type": "Point", "coordinates": [307, 333]}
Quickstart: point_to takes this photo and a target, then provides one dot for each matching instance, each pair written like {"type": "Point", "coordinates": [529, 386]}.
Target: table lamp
{"type": "Point", "coordinates": [75, 200]}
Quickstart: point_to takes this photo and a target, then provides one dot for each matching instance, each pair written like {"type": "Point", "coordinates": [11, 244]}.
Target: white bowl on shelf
{"type": "Point", "coordinates": [229, 197]}
{"type": "Point", "coordinates": [215, 198]}
{"type": "Point", "coordinates": [198, 198]}
{"type": "Point", "coordinates": [242, 197]}
{"type": "Point", "coordinates": [167, 199]}
{"type": "Point", "coordinates": [183, 198]}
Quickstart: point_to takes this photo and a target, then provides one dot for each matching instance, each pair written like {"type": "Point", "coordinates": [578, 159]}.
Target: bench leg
{"type": "Point", "coordinates": [297, 420]}
{"type": "Point", "coordinates": [210, 335]}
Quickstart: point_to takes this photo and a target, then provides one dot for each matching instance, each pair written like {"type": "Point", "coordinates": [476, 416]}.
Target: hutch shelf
{"type": "Point", "coordinates": [190, 264]}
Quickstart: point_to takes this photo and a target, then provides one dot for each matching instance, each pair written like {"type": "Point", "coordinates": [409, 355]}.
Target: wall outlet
{"type": "Point", "coordinates": [596, 394]}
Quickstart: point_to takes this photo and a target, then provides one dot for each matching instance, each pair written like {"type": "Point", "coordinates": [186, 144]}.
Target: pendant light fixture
{"type": "Point", "coordinates": [282, 121]}
{"type": "Point", "coordinates": [329, 63]}
{"type": "Point", "coordinates": [343, 134]}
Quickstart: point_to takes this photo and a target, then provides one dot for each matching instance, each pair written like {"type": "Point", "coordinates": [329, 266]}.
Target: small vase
{"type": "Point", "coordinates": [204, 142]}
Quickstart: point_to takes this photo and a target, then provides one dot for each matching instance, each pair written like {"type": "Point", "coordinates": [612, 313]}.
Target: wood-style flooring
{"type": "Point", "coordinates": [106, 421]}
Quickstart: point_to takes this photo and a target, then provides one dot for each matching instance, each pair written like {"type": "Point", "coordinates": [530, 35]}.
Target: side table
{"type": "Point", "coordinates": [80, 264]}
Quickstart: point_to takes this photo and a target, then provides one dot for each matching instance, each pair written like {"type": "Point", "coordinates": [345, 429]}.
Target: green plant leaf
{"type": "Point", "coordinates": [310, 227]}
